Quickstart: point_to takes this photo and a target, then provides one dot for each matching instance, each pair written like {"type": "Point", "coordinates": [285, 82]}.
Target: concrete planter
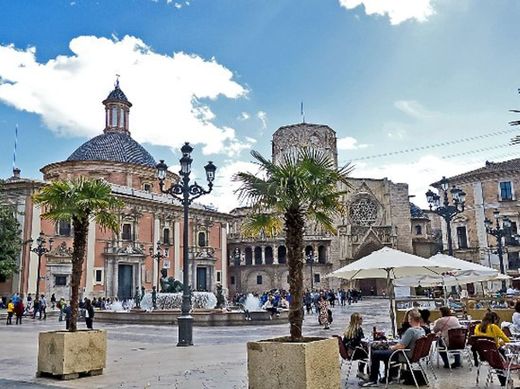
{"type": "Point", "coordinates": [67, 355]}
{"type": "Point", "coordinates": [280, 364]}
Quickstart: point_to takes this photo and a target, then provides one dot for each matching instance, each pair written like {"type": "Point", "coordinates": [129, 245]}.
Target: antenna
{"type": "Point", "coordinates": [302, 112]}
{"type": "Point", "coordinates": [15, 145]}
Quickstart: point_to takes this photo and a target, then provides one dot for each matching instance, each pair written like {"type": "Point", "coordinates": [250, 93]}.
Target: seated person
{"type": "Point", "coordinates": [425, 320]}
{"type": "Point", "coordinates": [441, 326]}
{"type": "Point", "coordinates": [489, 328]}
{"type": "Point", "coordinates": [352, 339]}
{"type": "Point", "coordinates": [515, 327]}
{"type": "Point", "coordinates": [407, 342]}
{"type": "Point", "coordinates": [269, 306]}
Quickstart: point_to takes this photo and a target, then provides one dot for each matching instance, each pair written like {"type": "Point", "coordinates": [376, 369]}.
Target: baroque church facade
{"type": "Point", "coordinates": [116, 264]}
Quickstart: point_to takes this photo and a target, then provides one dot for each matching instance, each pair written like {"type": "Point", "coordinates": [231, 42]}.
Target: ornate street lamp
{"type": "Point", "coordinates": [447, 211]}
{"type": "Point", "coordinates": [158, 256]}
{"type": "Point", "coordinates": [40, 250]}
{"type": "Point", "coordinates": [499, 232]}
{"type": "Point", "coordinates": [310, 261]}
{"type": "Point", "coordinates": [185, 193]}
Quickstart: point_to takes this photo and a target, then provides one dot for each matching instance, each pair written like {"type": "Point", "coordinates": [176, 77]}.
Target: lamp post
{"type": "Point", "coordinates": [40, 250]}
{"type": "Point", "coordinates": [310, 261]}
{"type": "Point", "coordinates": [236, 264]}
{"type": "Point", "coordinates": [499, 232]}
{"type": "Point", "coordinates": [158, 256]}
{"type": "Point", "coordinates": [447, 211]}
{"type": "Point", "coordinates": [185, 193]}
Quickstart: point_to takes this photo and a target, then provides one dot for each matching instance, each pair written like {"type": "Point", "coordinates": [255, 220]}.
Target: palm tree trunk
{"type": "Point", "coordinates": [78, 256]}
{"type": "Point", "coordinates": [294, 225]}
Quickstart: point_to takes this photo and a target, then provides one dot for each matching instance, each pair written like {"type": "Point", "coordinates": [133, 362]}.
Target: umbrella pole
{"type": "Point", "coordinates": [391, 295]}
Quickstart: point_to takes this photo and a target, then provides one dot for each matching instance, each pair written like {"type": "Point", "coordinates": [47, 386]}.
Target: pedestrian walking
{"type": "Point", "coordinates": [67, 311]}
{"type": "Point", "coordinates": [10, 312]}
{"type": "Point", "coordinates": [89, 313]}
{"type": "Point", "coordinates": [43, 307]}
{"type": "Point", "coordinates": [323, 317]}
{"type": "Point", "coordinates": [36, 307]}
{"type": "Point", "coordinates": [53, 301]}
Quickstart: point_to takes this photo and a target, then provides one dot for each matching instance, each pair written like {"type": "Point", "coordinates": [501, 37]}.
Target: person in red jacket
{"type": "Point", "coordinates": [18, 310]}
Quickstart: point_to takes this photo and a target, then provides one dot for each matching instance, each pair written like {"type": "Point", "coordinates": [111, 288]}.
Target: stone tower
{"type": "Point", "coordinates": [291, 138]}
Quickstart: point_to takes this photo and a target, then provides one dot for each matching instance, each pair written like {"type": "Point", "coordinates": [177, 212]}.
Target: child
{"type": "Point", "coordinates": [10, 312]}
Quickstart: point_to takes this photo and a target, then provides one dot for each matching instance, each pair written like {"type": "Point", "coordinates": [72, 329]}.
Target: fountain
{"type": "Point", "coordinates": [208, 310]}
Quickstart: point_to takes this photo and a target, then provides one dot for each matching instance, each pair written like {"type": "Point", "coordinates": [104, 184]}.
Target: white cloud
{"type": "Point", "coordinates": [262, 116]}
{"type": "Point", "coordinates": [414, 109]}
{"type": "Point", "coordinates": [223, 196]}
{"type": "Point", "coordinates": [418, 174]}
{"type": "Point", "coordinates": [397, 11]}
{"type": "Point", "coordinates": [349, 143]}
{"type": "Point", "coordinates": [170, 93]}
{"type": "Point", "coordinates": [243, 116]}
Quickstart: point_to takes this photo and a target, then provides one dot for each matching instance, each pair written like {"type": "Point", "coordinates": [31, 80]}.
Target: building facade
{"type": "Point", "coordinates": [116, 264]}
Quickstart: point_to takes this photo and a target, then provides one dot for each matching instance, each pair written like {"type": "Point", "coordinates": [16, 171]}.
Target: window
{"type": "Point", "coordinates": [98, 276]}
{"type": "Point", "coordinates": [506, 192]}
{"type": "Point", "coordinates": [232, 280]}
{"type": "Point", "coordinates": [127, 232]}
{"type": "Point", "coordinates": [418, 230]}
{"type": "Point", "coordinates": [60, 280]}
{"type": "Point", "coordinates": [316, 278]}
{"type": "Point", "coordinates": [259, 280]}
{"type": "Point", "coordinates": [249, 255]}
{"type": "Point", "coordinates": [166, 236]}
{"type": "Point", "coordinates": [219, 276]}
{"type": "Point", "coordinates": [147, 187]}
{"type": "Point", "coordinates": [114, 116]}
{"type": "Point", "coordinates": [322, 254]}
{"type": "Point", "coordinates": [64, 228]}
{"type": "Point", "coordinates": [462, 238]}
{"type": "Point", "coordinates": [122, 118]}
{"type": "Point", "coordinates": [513, 261]}
{"type": "Point", "coordinates": [201, 238]}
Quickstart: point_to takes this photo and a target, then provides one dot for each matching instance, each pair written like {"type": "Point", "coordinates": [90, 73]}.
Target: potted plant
{"type": "Point", "coordinates": [69, 353]}
{"type": "Point", "coordinates": [304, 186]}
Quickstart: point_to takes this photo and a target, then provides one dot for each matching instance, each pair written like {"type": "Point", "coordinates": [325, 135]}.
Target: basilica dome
{"type": "Point", "coordinates": [113, 146]}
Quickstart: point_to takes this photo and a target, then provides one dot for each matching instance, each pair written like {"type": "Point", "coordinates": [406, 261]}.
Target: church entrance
{"type": "Point", "coordinates": [124, 282]}
{"type": "Point", "coordinates": [202, 279]}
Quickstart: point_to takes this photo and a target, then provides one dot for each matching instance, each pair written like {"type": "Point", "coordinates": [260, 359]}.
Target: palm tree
{"type": "Point", "coordinates": [305, 185]}
{"type": "Point", "coordinates": [82, 201]}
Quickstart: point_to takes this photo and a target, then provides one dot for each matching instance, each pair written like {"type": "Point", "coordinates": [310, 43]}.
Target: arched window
{"type": "Point", "coordinates": [122, 118]}
{"type": "Point", "coordinates": [418, 230]}
{"type": "Point", "coordinates": [201, 239]}
{"type": "Point", "coordinates": [309, 253]}
{"type": "Point", "coordinates": [258, 255]}
{"type": "Point", "coordinates": [166, 236]}
{"type": "Point", "coordinates": [322, 254]}
{"type": "Point", "coordinates": [249, 255]}
{"type": "Point", "coordinates": [268, 255]}
{"type": "Point", "coordinates": [113, 116]}
{"type": "Point", "coordinates": [282, 254]}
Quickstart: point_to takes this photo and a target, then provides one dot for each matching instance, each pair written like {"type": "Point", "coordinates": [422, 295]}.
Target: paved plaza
{"type": "Point", "coordinates": [146, 356]}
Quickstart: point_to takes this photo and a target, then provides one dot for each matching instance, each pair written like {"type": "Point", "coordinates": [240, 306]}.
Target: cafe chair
{"type": "Point", "coordinates": [457, 345]}
{"type": "Point", "coordinates": [498, 365]}
{"type": "Point", "coordinates": [479, 345]}
{"type": "Point", "coordinates": [507, 331]}
{"type": "Point", "coordinates": [420, 352]}
{"type": "Point", "coordinates": [348, 356]}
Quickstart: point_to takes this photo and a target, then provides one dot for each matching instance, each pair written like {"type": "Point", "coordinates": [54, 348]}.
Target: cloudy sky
{"type": "Point", "coordinates": [415, 89]}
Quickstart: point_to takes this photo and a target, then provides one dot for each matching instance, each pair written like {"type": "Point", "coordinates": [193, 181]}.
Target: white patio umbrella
{"type": "Point", "coordinates": [390, 264]}
{"type": "Point", "coordinates": [465, 272]}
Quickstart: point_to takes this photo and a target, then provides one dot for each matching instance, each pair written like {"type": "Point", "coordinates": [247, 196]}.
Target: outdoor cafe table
{"type": "Point", "coordinates": [370, 345]}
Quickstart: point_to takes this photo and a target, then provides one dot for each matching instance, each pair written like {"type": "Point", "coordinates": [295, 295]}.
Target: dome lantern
{"type": "Point", "coordinates": [117, 110]}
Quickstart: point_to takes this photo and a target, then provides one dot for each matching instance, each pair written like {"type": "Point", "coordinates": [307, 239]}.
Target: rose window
{"type": "Point", "coordinates": [363, 212]}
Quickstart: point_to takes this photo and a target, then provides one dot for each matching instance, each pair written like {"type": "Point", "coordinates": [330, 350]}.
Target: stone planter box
{"type": "Point", "coordinates": [279, 364]}
{"type": "Point", "coordinates": [67, 355]}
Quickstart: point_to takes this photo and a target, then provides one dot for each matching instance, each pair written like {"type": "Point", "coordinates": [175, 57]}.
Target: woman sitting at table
{"type": "Point", "coordinates": [441, 326]}
{"type": "Point", "coordinates": [425, 320]}
{"type": "Point", "coordinates": [489, 328]}
{"type": "Point", "coordinates": [352, 340]}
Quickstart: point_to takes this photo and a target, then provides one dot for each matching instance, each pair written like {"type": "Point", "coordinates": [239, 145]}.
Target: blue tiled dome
{"type": "Point", "coordinates": [113, 146]}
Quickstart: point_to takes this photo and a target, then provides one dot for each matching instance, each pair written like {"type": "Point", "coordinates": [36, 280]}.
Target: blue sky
{"type": "Point", "coordinates": [387, 75]}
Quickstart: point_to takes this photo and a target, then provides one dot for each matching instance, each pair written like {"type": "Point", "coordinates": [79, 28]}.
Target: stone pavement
{"type": "Point", "coordinates": [146, 356]}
